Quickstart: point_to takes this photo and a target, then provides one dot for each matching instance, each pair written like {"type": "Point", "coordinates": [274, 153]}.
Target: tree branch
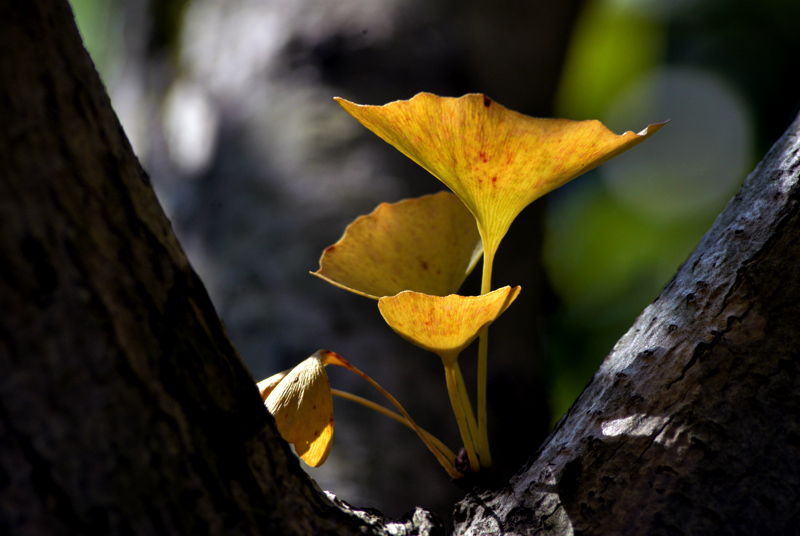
{"type": "Point", "coordinates": [124, 408]}
{"type": "Point", "coordinates": [692, 423]}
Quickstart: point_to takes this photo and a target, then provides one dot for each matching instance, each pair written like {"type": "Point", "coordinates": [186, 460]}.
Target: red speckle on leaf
{"type": "Point", "coordinates": [487, 101]}
{"type": "Point", "coordinates": [494, 181]}
{"type": "Point", "coordinates": [424, 265]}
{"type": "Point", "coordinates": [482, 156]}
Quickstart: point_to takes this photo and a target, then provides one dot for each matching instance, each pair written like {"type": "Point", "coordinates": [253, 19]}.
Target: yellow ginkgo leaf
{"type": "Point", "coordinates": [302, 405]}
{"type": "Point", "coordinates": [428, 244]}
{"type": "Point", "coordinates": [444, 325]}
{"type": "Point", "coordinates": [496, 160]}
{"type": "Point", "coordinates": [265, 387]}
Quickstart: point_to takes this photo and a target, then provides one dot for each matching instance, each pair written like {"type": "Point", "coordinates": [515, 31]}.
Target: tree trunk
{"type": "Point", "coordinates": [125, 409]}
{"type": "Point", "coordinates": [123, 406]}
{"type": "Point", "coordinates": [692, 423]}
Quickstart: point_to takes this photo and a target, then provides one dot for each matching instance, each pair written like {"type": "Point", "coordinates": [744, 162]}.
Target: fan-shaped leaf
{"type": "Point", "coordinates": [496, 160]}
{"type": "Point", "coordinates": [428, 244]}
{"type": "Point", "coordinates": [302, 405]}
{"type": "Point", "coordinates": [444, 325]}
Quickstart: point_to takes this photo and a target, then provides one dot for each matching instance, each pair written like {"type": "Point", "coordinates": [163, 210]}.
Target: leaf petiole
{"type": "Point", "coordinates": [462, 409]}
{"type": "Point", "coordinates": [399, 418]}
{"type": "Point", "coordinates": [332, 358]}
{"type": "Point", "coordinates": [489, 250]}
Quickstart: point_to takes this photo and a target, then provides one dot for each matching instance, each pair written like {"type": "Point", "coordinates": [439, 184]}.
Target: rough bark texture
{"type": "Point", "coordinates": [125, 409]}
{"type": "Point", "coordinates": [123, 406]}
{"type": "Point", "coordinates": [290, 169]}
{"type": "Point", "coordinates": [692, 423]}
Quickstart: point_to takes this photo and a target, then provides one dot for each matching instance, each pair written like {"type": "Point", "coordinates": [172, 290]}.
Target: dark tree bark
{"type": "Point", "coordinates": [125, 409]}
{"type": "Point", "coordinates": [256, 233]}
{"type": "Point", "coordinates": [692, 423]}
{"type": "Point", "coordinates": [123, 406]}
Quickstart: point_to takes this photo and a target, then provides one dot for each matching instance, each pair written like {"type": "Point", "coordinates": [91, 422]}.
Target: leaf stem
{"type": "Point", "coordinates": [489, 250]}
{"type": "Point", "coordinates": [452, 376]}
{"type": "Point", "coordinates": [464, 397]}
{"type": "Point", "coordinates": [397, 417]}
{"type": "Point", "coordinates": [332, 358]}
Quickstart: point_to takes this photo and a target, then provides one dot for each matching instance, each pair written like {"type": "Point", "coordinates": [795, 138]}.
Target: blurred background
{"type": "Point", "coordinates": [229, 106]}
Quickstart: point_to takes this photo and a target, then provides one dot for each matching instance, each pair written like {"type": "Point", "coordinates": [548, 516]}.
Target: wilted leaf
{"type": "Point", "coordinates": [444, 325]}
{"type": "Point", "coordinates": [302, 405]}
{"type": "Point", "coordinates": [428, 244]}
{"type": "Point", "coordinates": [496, 160]}
{"type": "Point", "coordinates": [265, 387]}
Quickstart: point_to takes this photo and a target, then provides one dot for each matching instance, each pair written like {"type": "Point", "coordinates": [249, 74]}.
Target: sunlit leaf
{"type": "Point", "coordinates": [444, 325]}
{"type": "Point", "coordinates": [302, 405]}
{"type": "Point", "coordinates": [496, 160]}
{"type": "Point", "coordinates": [265, 387]}
{"type": "Point", "coordinates": [428, 244]}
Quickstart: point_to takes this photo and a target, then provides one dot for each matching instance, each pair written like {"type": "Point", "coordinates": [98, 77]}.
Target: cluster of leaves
{"type": "Point", "coordinates": [413, 256]}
